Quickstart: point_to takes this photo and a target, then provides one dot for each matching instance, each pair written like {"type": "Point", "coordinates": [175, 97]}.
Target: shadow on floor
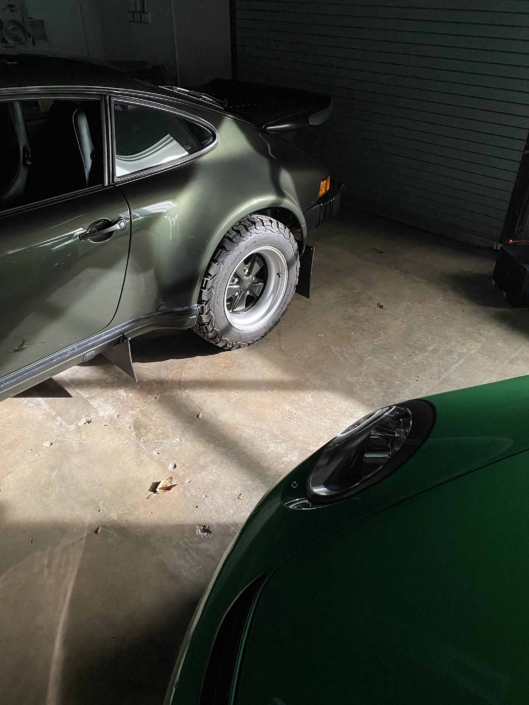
{"type": "Point", "coordinates": [157, 346]}
{"type": "Point", "coordinates": [97, 632]}
{"type": "Point", "coordinates": [164, 345]}
{"type": "Point", "coordinates": [48, 389]}
{"type": "Point", "coordinates": [171, 345]}
{"type": "Point", "coordinates": [478, 289]}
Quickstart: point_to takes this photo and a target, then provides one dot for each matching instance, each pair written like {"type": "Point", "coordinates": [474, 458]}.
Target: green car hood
{"type": "Point", "coordinates": [424, 602]}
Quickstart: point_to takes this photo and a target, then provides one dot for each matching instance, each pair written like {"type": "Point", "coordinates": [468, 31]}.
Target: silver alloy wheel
{"type": "Point", "coordinates": [256, 288]}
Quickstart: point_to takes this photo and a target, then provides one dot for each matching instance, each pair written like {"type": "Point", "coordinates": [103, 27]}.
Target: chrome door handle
{"type": "Point", "coordinates": [102, 230]}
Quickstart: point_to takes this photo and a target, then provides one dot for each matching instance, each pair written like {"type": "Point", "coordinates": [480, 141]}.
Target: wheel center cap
{"type": "Point", "coordinates": [246, 284]}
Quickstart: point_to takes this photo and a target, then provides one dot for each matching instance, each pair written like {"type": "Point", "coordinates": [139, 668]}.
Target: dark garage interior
{"type": "Point", "coordinates": [185, 167]}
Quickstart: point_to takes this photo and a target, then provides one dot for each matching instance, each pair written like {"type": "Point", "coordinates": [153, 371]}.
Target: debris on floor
{"type": "Point", "coordinates": [379, 252]}
{"type": "Point", "coordinates": [85, 421]}
{"type": "Point", "coordinates": [199, 416]}
{"type": "Point", "coordinates": [21, 346]}
{"type": "Point", "coordinates": [204, 530]}
{"type": "Point", "coordinates": [379, 305]}
{"type": "Point", "coordinates": [241, 496]}
{"type": "Point", "coordinates": [47, 443]}
{"type": "Point", "coordinates": [172, 466]}
{"type": "Point", "coordinates": [98, 530]}
{"type": "Point", "coordinates": [162, 487]}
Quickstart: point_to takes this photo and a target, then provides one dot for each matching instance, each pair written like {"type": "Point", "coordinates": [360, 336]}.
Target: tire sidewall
{"type": "Point", "coordinates": [260, 237]}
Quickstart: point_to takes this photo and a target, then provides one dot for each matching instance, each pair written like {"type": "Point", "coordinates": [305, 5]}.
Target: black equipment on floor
{"type": "Point", "coordinates": [511, 274]}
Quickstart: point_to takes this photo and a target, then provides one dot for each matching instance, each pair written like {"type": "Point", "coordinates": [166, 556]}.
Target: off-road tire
{"type": "Point", "coordinates": [249, 233]}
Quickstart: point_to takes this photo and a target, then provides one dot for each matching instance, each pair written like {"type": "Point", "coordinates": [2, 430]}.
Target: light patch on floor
{"type": "Point", "coordinates": [98, 576]}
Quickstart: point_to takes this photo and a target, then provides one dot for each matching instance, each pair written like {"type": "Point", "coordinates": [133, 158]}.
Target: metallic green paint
{"type": "Point", "coordinates": [425, 602]}
{"type": "Point", "coordinates": [180, 215]}
{"type": "Point", "coordinates": [54, 288]}
{"type": "Point", "coordinates": [412, 589]}
{"type": "Point", "coordinates": [70, 290]}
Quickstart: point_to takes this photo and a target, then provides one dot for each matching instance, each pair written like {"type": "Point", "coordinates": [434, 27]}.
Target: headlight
{"type": "Point", "coordinates": [369, 450]}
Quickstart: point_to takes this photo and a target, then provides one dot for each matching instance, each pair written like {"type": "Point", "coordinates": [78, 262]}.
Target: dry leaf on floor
{"type": "Point", "coordinates": [172, 466]}
{"type": "Point", "coordinates": [22, 346]}
{"type": "Point", "coordinates": [165, 486]}
{"type": "Point", "coordinates": [199, 416]}
{"type": "Point", "coordinates": [241, 496]}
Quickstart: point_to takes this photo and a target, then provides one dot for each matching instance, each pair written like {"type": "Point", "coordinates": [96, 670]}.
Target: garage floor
{"type": "Point", "coordinates": [96, 615]}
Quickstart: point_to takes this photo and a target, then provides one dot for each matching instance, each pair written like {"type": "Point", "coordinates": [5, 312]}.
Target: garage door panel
{"type": "Point", "coordinates": [431, 104]}
{"type": "Point", "coordinates": [340, 23]}
{"type": "Point", "coordinates": [420, 122]}
{"type": "Point", "coordinates": [464, 148]}
{"type": "Point", "coordinates": [431, 163]}
{"type": "Point", "coordinates": [484, 75]}
{"type": "Point", "coordinates": [459, 5]}
{"type": "Point", "coordinates": [487, 202]}
{"type": "Point", "coordinates": [425, 202]}
{"type": "Point", "coordinates": [449, 39]}
{"type": "Point", "coordinates": [463, 203]}
{"type": "Point", "coordinates": [492, 98]}
{"type": "Point", "coordinates": [515, 59]}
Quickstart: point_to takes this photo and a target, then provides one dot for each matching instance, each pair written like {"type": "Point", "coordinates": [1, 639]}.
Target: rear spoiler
{"type": "Point", "coordinates": [270, 108]}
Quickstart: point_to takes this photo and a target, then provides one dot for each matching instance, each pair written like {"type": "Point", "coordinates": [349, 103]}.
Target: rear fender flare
{"type": "Point", "coordinates": [255, 206]}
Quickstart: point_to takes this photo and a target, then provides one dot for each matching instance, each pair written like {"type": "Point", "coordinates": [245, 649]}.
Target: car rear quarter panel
{"type": "Point", "coordinates": [180, 215]}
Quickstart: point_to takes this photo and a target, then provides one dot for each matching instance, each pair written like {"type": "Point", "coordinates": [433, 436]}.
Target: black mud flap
{"type": "Point", "coordinates": [305, 272]}
{"type": "Point", "coordinates": [121, 356]}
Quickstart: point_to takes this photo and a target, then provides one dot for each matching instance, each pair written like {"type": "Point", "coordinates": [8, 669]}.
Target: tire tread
{"type": "Point", "coordinates": [242, 231]}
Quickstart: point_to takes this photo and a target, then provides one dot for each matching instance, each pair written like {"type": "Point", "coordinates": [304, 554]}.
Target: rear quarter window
{"type": "Point", "coordinates": [148, 137]}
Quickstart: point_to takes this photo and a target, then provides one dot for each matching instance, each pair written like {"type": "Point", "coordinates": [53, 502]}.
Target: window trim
{"type": "Point", "coordinates": [73, 95]}
{"type": "Point", "coordinates": [160, 167]}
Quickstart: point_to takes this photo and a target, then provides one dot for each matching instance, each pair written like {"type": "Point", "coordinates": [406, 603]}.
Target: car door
{"type": "Point", "coordinates": [64, 230]}
{"type": "Point", "coordinates": [158, 166]}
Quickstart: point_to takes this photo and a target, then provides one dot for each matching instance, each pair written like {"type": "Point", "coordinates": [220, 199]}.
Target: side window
{"type": "Point", "coordinates": [49, 148]}
{"type": "Point", "coordinates": [148, 137]}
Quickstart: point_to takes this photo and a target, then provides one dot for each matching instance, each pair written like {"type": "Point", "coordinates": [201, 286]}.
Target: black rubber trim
{"type": "Point", "coordinates": [220, 673]}
{"type": "Point", "coordinates": [325, 207]}
{"type": "Point", "coordinates": [423, 421]}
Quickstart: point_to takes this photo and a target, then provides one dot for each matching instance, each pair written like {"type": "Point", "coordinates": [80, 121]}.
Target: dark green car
{"type": "Point", "coordinates": [126, 207]}
{"type": "Point", "coordinates": [392, 566]}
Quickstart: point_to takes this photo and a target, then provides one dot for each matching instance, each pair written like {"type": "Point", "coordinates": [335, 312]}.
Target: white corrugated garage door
{"type": "Point", "coordinates": [431, 99]}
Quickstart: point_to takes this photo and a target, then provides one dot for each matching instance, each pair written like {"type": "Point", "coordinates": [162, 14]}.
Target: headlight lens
{"type": "Point", "coordinates": [360, 455]}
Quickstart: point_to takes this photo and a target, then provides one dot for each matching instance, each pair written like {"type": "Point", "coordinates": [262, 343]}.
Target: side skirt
{"type": "Point", "coordinates": [87, 349]}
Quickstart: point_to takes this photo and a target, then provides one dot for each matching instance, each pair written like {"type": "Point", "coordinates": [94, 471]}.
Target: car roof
{"type": "Point", "coordinates": [24, 70]}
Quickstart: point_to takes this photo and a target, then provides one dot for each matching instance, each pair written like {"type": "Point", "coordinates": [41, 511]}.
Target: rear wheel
{"type": "Point", "coordinates": [249, 283]}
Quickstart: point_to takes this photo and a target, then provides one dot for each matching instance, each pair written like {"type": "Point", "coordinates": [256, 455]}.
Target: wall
{"type": "Point", "coordinates": [203, 40]}
{"type": "Point", "coordinates": [154, 43]}
{"type": "Point", "coordinates": [431, 100]}
{"type": "Point", "coordinates": [190, 38]}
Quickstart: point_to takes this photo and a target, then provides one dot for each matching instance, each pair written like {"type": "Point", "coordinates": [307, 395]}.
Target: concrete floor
{"type": "Point", "coordinates": [98, 617]}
